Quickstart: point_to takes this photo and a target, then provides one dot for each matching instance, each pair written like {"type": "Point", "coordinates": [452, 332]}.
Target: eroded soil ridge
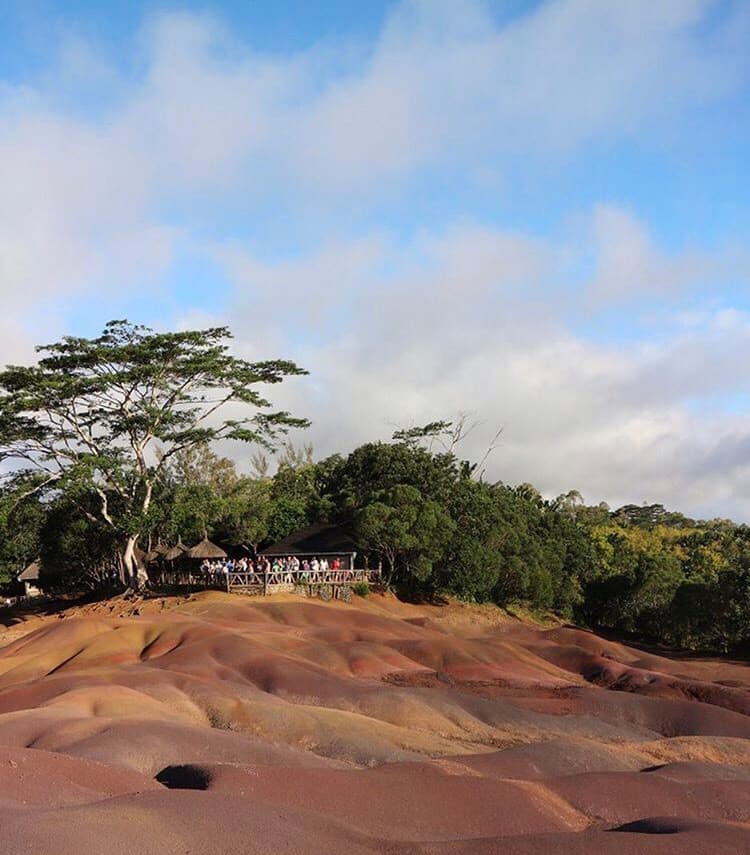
{"type": "Point", "coordinates": [226, 724]}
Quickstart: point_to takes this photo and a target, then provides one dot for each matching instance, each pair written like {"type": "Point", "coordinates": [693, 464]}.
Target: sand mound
{"type": "Point", "coordinates": [220, 723]}
{"type": "Point", "coordinates": [42, 779]}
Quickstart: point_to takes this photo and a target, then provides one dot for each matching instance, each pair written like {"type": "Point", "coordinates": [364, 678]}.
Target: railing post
{"type": "Point", "coordinates": [265, 581]}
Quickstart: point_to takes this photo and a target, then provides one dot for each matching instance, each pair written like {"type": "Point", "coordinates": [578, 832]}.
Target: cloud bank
{"type": "Point", "coordinates": [353, 206]}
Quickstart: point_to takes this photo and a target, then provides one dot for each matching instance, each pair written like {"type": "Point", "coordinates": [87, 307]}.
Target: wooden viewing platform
{"type": "Point", "coordinates": [327, 584]}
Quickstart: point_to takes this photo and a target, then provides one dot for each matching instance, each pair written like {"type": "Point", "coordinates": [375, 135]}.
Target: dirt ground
{"type": "Point", "coordinates": [218, 723]}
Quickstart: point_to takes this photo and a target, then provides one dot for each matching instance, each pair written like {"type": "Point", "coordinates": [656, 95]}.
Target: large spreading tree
{"type": "Point", "coordinates": [107, 415]}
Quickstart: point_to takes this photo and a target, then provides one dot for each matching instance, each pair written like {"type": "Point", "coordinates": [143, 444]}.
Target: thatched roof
{"type": "Point", "coordinates": [321, 539]}
{"type": "Point", "coordinates": [152, 555]}
{"type": "Point", "coordinates": [160, 549]}
{"type": "Point", "coordinates": [31, 573]}
{"type": "Point", "coordinates": [176, 551]}
{"type": "Point", "coordinates": [206, 549]}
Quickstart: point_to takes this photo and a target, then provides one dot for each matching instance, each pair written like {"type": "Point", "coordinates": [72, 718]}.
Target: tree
{"type": "Point", "coordinates": [567, 558]}
{"type": "Point", "coordinates": [449, 435]}
{"type": "Point", "coordinates": [196, 485]}
{"type": "Point", "coordinates": [406, 529]}
{"type": "Point", "coordinates": [296, 492]}
{"type": "Point", "coordinates": [21, 523]}
{"type": "Point", "coordinates": [295, 457]}
{"type": "Point", "coordinates": [529, 493]}
{"type": "Point", "coordinates": [378, 466]}
{"type": "Point", "coordinates": [568, 503]}
{"type": "Point", "coordinates": [194, 511]}
{"type": "Point", "coordinates": [246, 513]}
{"type": "Point", "coordinates": [198, 464]}
{"type": "Point", "coordinates": [76, 550]}
{"type": "Point", "coordinates": [109, 413]}
{"type": "Point", "coordinates": [472, 561]}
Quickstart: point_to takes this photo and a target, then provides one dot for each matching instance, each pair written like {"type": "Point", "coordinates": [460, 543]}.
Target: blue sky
{"type": "Point", "coordinates": [533, 211]}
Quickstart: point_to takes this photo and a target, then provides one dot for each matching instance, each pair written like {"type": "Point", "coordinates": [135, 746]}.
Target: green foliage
{"type": "Point", "coordinates": [108, 416]}
{"type": "Point", "coordinates": [195, 508]}
{"type": "Point", "coordinates": [75, 549]}
{"type": "Point", "coordinates": [21, 522]}
{"type": "Point", "coordinates": [246, 513]}
{"type": "Point", "coordinates": [377, 466]}
{"type": "Point", "coordinates": [409, 531]}
{"type": "Point", "coordinates": [473, 558]}
{"type": "Point", "coordinates": [115, 436]}
{"type": "Point", "coordinates": [431, 431]}
{"type": "Point", "coordinates": [287, 515]}
{"type": "Point", "coordinates": [710, 616]}
{"type": "Point", "coordinates": [361, 589]}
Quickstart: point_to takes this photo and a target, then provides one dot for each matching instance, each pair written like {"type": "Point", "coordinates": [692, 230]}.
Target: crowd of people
{"type": "Point", "coordinates": [277, 570]}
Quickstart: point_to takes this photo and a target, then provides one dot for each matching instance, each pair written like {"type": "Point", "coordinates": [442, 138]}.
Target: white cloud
{"type": "Point", "coordinates": [629, 266]}
{"type": "Point", "coordinates": [209, 119]}
{"type": "Point", "coordinates": [401, 327]}
{"type": "Point", "coordinates": [468, 320]}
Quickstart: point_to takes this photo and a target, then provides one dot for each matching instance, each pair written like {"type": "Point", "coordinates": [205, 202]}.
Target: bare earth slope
{"type": "Point", "coordinates": [224, 724]}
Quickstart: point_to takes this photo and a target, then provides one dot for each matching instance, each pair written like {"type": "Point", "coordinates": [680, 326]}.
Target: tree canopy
{"type": "Point", "coordinates": [107, 415]}
{"type": "Point", "coordinates": [111, 443]}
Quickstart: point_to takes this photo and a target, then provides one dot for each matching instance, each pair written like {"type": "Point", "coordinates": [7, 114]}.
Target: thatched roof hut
{"type": "Point", "coordinates": [31, 573]}
{"type": "Point", "coordinates": [206, 549]}
{"type": "Point", "coordinates": [177, 551]}
{"type": "Point", "coordinates": [29, 578]}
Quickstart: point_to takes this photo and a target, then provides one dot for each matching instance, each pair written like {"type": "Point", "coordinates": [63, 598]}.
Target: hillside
{"type": "Point", "coordinates": [219, 724]}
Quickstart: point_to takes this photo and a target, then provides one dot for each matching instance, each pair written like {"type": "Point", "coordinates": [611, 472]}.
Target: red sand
{"type": "Point", "coordinates": [223, 724]}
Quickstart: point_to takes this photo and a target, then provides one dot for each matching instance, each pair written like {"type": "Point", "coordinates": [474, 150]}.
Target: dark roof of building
{"type": "Point", "coordinates": [31, 573]}
{"type": "Point", "coordinates": [321, 539]}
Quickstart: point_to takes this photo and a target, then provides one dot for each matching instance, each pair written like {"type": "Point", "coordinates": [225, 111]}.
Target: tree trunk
{"type": "Point", "coordinates": [142, 576]}
{"type": "Point", "coordinates": [134, 575]}
{"type": "Point", "coordinates": [391, 568]}
{"type": "Point", "coordinates": [129, 573]}
{"type": "Point", "coordinates": [139, 576]}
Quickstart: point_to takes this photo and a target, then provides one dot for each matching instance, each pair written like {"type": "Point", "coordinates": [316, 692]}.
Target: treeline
{"type": "Point", "coordinates": [435, 527]}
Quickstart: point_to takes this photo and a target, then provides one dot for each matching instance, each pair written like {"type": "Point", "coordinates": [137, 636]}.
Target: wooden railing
{"type": "Point", "coordinates": [266, 582]}
{"type": "Point", "coordinates": [276, 578]}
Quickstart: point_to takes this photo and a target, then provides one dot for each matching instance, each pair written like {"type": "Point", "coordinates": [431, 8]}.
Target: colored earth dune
{"type": "Point", "coordinates": [223, 724]}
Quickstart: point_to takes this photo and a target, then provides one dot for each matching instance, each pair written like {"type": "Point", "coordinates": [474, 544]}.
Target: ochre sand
{"type": "Point", "coordinates": [229, 724]}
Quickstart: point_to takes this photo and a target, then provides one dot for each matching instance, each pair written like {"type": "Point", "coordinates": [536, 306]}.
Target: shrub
{"type": "Point", "coordinates": [361, 589]}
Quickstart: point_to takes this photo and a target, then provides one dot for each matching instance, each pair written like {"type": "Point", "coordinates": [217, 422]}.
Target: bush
{"type": "Point", "coordinates": [361, 589]}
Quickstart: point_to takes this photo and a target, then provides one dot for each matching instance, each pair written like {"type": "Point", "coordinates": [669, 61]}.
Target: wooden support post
{"type": "Point", "coordinates": [265, 581]}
